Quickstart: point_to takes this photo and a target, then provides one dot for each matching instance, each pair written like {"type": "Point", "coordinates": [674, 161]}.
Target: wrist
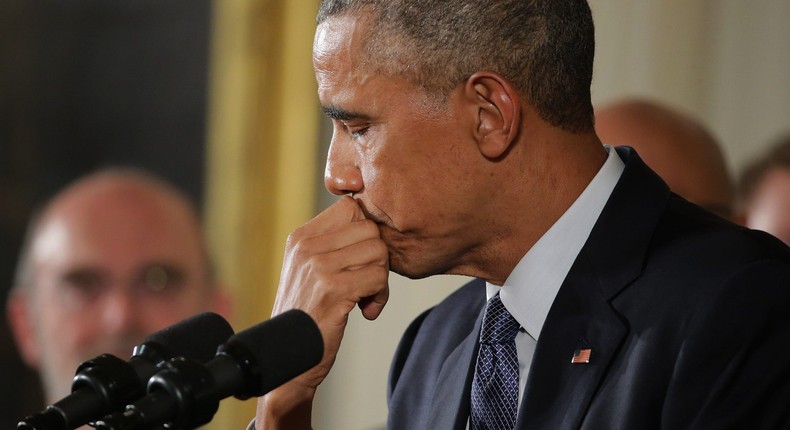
{"type": "Point", "coordinates": [288, 407]}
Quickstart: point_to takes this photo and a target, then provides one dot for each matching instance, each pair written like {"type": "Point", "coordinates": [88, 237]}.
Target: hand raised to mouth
{"type": "Point", "coordinates": [333, 263]}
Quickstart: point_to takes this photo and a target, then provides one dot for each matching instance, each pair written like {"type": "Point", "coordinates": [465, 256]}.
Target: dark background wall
{"type": "Point", "coordinates": [86, 84]}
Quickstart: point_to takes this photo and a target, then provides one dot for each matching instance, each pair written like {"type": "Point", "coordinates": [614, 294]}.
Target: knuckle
{"type": "Point", "coordinates": [380, 249]}
{"type": "Point", "coordinates": [370, 228]}
{"type": "Point", "coordinates": [304, 247]}
{"type": "Point", "coordinates": [296, 237]}
{"type": "Point", "coordinates": [381, 274]}
{"type": "Point", "coordinates": [385, 273]}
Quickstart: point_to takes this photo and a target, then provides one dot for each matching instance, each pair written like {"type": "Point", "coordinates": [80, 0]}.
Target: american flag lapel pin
{"type": "Point", "coordinates": [581, 356]}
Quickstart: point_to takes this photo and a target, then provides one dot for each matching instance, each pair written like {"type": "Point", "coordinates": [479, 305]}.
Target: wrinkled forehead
{"type": "Point", "coordinates": [341, 38]}
{"type": "Point", "coordinates": [339, 57]}
{"type": "Point", "coordinates": [117, 230]}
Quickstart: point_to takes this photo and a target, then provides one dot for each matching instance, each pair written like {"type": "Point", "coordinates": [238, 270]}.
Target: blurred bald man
{"type": "Point", "coordinates": [764, 192]}
{"type": "Point", "coordinates": [679, 149]}
{"type": "Point", "coordinates": [114, 257]}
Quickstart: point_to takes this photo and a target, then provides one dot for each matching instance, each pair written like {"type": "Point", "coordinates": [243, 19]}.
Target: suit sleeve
{"type": "Point", "coordinates": [403, 350]}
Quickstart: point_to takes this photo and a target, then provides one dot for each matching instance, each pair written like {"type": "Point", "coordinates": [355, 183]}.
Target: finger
{"type": "Point", "coordinates": [339, 294]}
{"type": "Point", "coordinates": [325, 283]}
{"type": "Point", "coordinates": [341, 237]}
{"type": "Point", "coordinates": [343, 211]}
{"type": "Point", "coordinates": [352, 257]}
{"type": "Point", "coordinates": [368, 281]}
{"type": "Point", "coordinates": [372, 306]}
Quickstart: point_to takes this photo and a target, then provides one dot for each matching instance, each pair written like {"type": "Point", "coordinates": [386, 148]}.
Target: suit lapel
{"type": "Point", "coordinates": [450, 406]}
{"type": "Point", "coordinates": [558, 392]}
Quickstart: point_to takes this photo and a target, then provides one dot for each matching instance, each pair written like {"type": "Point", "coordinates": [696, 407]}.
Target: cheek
{"type": "Point", "coordinates": [412, 174]}
{"type": "Point", "coordinates": [66, 327]}
{"type": "Point", "coordinates": [63, 340]}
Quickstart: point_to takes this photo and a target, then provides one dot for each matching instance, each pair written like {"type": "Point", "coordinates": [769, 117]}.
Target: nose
{"type": "Point", "coordinates": [342, 174]}
{"type": "Point", "coordinates": [118, 313]}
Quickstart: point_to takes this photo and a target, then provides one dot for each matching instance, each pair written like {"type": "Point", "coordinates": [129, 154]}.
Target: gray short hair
{"type": "Point", "coordinates": [544, 47]}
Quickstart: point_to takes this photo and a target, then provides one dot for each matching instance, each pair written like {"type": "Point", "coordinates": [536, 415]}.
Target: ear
{"type": "Point", "coordinates": [18, 312]}
{"type": "Point", "coordinates": [498, 109]}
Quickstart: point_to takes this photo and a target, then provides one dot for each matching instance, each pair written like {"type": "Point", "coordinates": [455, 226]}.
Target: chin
{"type": "Point", "coordinates": [413, 269]}
{"type": "Point", "coordinates": [415, 258]}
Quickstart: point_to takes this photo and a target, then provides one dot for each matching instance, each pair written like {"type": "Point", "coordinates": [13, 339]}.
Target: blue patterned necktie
{"type": "Point", "coordinates": [495, 383]}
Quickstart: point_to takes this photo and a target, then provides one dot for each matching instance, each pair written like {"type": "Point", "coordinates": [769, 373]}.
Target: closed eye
{"type": "Point", "coordinates": [359, 132]}
{"type": "Point", "coordinates": [353, 123]}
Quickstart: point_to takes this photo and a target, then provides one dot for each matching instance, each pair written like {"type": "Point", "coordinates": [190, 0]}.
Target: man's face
{"type": "Point", "coordinates": [406, 158]}
{"type": "Point", "coordinates": [105, 277]}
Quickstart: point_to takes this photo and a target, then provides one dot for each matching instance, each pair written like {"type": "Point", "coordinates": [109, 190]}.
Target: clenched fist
{"type": "Point", "coordinates": [333, 263]}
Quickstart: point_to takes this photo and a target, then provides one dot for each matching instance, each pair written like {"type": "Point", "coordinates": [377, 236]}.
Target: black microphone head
{"type": "Point", "coordinates": [107, 383]}
{"type": "Point", "coordinates": [276, 351]}
{"type": "Point", "coordinates": [196, 337]}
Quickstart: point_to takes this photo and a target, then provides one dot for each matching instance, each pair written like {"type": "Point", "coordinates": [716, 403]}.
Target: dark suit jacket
{"type": "Point", "coordinates": [687, 316]}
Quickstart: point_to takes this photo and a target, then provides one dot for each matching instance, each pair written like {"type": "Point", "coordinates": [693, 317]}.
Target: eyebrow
{"type": "Point", "coordinates": [341, 114]}
{"type": "Point", "coordinates": [75, 274]}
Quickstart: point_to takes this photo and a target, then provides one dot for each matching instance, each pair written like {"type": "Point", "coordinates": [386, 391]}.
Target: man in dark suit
{"type": "Point", "coordinates": [463, 132]}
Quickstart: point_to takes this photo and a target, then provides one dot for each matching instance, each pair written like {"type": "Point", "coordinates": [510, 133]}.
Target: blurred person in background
{"type": "Point", "coordinates": [112, 258]}
{"type": "Point", "coordinates": [764, 192]}
{"type": "Point", "coordinates": [680, 149]}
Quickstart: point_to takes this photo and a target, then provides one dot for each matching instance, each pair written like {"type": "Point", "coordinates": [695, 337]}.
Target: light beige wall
{"type": "Point", "coordinates": [749, 93]}
{"type": "Point", "coordinates": [725, 61]}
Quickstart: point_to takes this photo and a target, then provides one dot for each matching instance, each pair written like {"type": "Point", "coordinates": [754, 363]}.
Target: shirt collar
{"type": "Point", "coordinates": [531, 288]}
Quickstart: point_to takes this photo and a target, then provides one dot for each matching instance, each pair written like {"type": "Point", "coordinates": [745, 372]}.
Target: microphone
{"type": "Point", "coordinates": [186, 394]}
{"type": "Point", "coordinates": [107, 383]}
